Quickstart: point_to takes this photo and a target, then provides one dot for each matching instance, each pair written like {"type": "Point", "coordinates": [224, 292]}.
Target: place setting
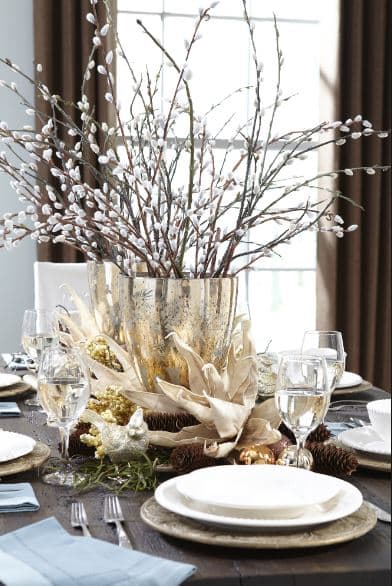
{"type": "Point", "coordinates": [334, 514]}
{"type": "Point", "coordinates": [371, 443]}
{"type": "Point", "coordinates": [269, 506]}
{"type": "Point", "coordinates": [13, 385]}
{"type": "Point", "coordinates": [19, 453]}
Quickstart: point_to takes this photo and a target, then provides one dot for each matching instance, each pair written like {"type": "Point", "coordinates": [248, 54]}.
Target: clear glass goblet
{"type": "Point", "coordinates": [38, 333]}
{"type": "Point", "coordinates": [302, 399]}
{"type": "Point", "coordinates": [328, 344]}
{"type": "Point", "coordinates": [63, 390]}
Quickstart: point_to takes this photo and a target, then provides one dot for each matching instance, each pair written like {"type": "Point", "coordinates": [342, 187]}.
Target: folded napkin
{"type": "Point", "coordinates": [9, 410]}
{"type": "Point", "coordinates": [17, 498]}
{"type": "Point", "coordinates": [44, 554]}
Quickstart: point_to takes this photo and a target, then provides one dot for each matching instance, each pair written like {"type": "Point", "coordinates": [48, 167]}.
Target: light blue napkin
{"type": "Point", "coordinates": [9, 409]}
{"type": "Point", "coordinates": [44, 554]}
{"type": "Point", "coordinates": [338, 426]}
{"type": "Point", "coordinates": [16, 498]}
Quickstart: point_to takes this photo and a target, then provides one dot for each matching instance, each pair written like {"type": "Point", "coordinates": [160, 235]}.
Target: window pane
{"type": "Point", "coordinates": [224, 8]}
{"type": "Point", "coordinates": [295, 9]}
{"type": "Point", "coordinates": [141, 53]}
{"type": "Point", "coordinates": [219, 64]}
{"type": "Point", "coordinates": [300, 72]}
{"type": "Point", "coordinates": [282, 306]}
{"type": "Point", "coordinates": [140, 5]}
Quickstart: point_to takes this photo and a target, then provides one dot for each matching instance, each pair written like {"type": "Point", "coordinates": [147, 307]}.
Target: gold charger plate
{"type": "Point", "coordinates": [38, 456]}
{"type": "Point", "coordinates": [366, 460]}
{"type": "Point", "coordinates": [364, 386]}
{"type": "Point", "coordinates": [346, 529]}
{"type": "Point", "coordinates": [15, 390]}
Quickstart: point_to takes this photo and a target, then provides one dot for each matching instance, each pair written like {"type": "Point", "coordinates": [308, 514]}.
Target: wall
{"type": "Point", "coordinates": [16, 267]}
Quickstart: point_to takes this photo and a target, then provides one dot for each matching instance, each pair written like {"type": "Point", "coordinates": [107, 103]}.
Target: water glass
{"type": "Point", "coordinates": [63, 390]}
{"type": "Point", "coordinates": [328, 344]}
{"type": "Point", "coordinates": [302, 399]}
{"type": "Point", "coordinates": [39, 332]}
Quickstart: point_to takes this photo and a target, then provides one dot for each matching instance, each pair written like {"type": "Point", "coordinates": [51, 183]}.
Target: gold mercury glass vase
{"type": "Point", "coordinates": [103, 280]}
{"type": "Point", "coordinates": [200, 311]}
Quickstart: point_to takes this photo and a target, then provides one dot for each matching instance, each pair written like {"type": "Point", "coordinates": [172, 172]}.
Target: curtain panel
{"type": "Point", "coordinates": [62, 45]}
{"type": "Point", "coordinates": [355, 272]}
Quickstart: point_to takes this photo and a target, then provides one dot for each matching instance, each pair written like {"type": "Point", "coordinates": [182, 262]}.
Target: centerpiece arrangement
{"type": "Point", "coordinates": [164, 256]}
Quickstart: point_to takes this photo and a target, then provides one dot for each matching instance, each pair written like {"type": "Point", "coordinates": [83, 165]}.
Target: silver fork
{"type": "Point", "coordinates": [112, 513]}
{"type": "Point", "coordinates": [79, 517]}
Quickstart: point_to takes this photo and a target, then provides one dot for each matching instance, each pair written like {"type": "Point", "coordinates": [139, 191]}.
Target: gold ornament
{"type": "Point", "coordinates": [291, 456]}
{"type": "Point", "coordinates": [257, 454]}
{"type": "Point", "coordinates": [122, 443]}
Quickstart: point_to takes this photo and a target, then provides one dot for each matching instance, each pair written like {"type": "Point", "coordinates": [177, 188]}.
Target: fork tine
{"type": "Point", "coordinates": [106, 508]}
{"type": "Point", "coordinates": [83, 514]}
{"type": "Point", "coordinates": [79, 515]}
{"type": "Point", "coordinates": [118, 509]}
{"type": "Point", "coordinates": [111, 507]}
{"type": "Point", "coordinates": [73, 513]}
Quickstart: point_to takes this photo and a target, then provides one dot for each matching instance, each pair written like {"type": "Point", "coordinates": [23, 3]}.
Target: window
{"type": "Point", "coordinates": [281, 291]}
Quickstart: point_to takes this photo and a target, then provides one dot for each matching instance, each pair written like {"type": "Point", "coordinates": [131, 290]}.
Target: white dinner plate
{"type": "Point", "coordinates": [263, 490]}
{"type": "Point", "coordinates": [365, 439]}
{"type": "Point", "coordinates": [349, 379]}
{"type": "Point", "coordinates": [347, 501]}
{"type": "Point", "coordinates": [14, 445]}
{"type": "Point", "coordinates": [7, 380]}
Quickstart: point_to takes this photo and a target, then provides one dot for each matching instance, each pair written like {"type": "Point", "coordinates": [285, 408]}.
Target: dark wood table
{"type": "Point", "coordinates": [363, 562]}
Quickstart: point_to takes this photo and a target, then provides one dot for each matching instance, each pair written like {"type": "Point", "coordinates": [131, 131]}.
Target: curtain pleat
{"type": "Point", "coordinates": [363, 283]}
{"type": "Point", "coordinates": [63, 41]}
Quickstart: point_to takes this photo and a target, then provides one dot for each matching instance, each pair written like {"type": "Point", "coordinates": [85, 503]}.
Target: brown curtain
{"type": "Point", "coordinates": [63, 40]}
{"type": "Point", "coordinates": [360, 276]}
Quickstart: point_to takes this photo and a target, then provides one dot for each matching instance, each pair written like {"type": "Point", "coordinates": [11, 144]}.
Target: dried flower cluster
{"type": "Point", "coordinates": [136, 211]}
{"type": "Point", "coordinates": [112, 406]}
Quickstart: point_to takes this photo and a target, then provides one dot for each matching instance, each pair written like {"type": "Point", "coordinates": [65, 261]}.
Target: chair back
{"type": "Point", "coordinates": [48, 278]}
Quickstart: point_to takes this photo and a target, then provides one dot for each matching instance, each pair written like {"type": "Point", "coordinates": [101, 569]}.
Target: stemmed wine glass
{"type": "Point", "coordinates": [328, 344]}
{"type": "Point", "coordinates": [302, 399]}
{"type": "Point", "coordinates": [63, 390]}
{"type": "Point", "coordinates": [38, 333]}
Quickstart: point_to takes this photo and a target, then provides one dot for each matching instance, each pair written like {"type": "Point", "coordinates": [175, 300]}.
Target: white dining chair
{"type": "Point", "coordinates": [48, 278]}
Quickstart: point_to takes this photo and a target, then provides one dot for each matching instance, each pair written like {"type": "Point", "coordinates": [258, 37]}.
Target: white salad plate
{"type": "Point", "coordinates": [14, 445]}
{"type": "Point", "coordinates": [347, 501]}
{"type": "Point", "coordinates": [7, 380]}
{"type": "Point", "coordinates": [265, 491]}
{"type": "Point", "coordinates": [349, 379]}
{"type": "Point", "coordinates": [365, 439]}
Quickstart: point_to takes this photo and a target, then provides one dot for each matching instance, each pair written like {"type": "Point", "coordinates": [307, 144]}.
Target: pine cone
{"type": "Point", "coordinates": [284, 430]}
{"type": "Point", "coordinates": [320, 435]}
{"type": "Point", "coordinates": [76, 447]}
{"type": "Point", "coordinates": [190, 457]}
{"type": "Point", "coordinates": [174, 422]}
{"type": "Point", "coordinates": [328, 459]}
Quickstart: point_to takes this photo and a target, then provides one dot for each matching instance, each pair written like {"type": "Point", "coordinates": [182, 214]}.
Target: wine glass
{"type": "Point", "coordinates": [38, 333]}
{"type": "Point", "coordinates": [328, 344]}
{"type": "Point", "coordinates": [302, 399]}
{"type": "Point", "coordinates": [63, 390]}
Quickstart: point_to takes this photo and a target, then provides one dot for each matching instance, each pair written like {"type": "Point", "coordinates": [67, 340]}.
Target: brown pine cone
{"type": "Point", "coordinates": [76, 447]}
{"type": "Point", "coordinates": [173, 422]}
{"type": "Point", "coordinates": [319, 435]}
{"type": "Point", "coordinates": [284, 430]}
{"type": "Point", "coordinates": [328, 459]}
{"type": "Point", "coordinates": [189, 457]}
